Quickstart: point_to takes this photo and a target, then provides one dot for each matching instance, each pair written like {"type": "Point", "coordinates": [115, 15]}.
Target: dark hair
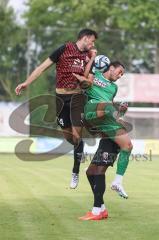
{"type": "Point", "coordinates": [116, 64]}
{"type": "Point", "coordinates": [87, 32]}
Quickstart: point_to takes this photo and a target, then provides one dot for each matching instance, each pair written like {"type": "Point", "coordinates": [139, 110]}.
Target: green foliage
{"type": "Point", "coordinates": [12, 53]}
{"type": "Point", "coordinates": [123, 27]}
{"type": "Point", "coordinates": [3, 3]}
{"type": "Point", "coordinates": [128, 31]}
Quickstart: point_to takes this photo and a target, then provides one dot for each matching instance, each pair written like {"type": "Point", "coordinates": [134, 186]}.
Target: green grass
{"type": "Point", "coordinates": [36, 202]}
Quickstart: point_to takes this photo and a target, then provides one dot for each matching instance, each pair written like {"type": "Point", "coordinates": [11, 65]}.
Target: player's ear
{"type": "Point", "coordinates": [84, 38]}
{"type": "Point", "coordinates": [111, 68]}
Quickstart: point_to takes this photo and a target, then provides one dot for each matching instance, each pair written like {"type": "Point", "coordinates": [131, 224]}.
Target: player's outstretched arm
{"type": "Point", "coordinates": [34, 75]}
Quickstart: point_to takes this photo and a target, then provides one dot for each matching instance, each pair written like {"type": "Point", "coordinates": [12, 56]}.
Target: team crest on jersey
{"type": "Point", "coordinates": [105, 155]}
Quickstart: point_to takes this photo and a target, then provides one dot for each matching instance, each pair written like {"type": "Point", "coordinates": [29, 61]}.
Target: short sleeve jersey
{"type": "Point", "coordinates": [102, 90]}
{"type": "Point", "coordinates": [69, 59]}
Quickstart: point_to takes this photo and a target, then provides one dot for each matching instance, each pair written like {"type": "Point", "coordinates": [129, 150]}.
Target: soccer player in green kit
{"type": "Point", "coordinates": [101, 112]}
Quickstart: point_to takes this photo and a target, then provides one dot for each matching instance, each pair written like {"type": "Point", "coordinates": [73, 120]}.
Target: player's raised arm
{"type": "Point", "coordinates": [93, 54]}
{"type": "Point", "coordinates": [34, 75]}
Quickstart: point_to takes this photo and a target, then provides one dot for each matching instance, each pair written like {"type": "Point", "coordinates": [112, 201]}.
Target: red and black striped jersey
{"type": "Point", "coordinates": [69, 59]}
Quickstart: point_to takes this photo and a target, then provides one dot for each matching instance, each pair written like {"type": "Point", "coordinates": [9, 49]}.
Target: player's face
{"type": "Point", "coordinates": [116, 73]}
{"type": "Point", "coordinates": [88, 42]}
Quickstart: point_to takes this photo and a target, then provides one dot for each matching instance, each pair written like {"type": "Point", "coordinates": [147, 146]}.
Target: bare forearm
{"type": "Point", "coordinates": [38, 71]}
{"type": "Point", "coordinates": [93, 53]}
{"type": "Point", "coordinates": [88, 67]}
{"type": "Point", "coordinates": [34, 75]}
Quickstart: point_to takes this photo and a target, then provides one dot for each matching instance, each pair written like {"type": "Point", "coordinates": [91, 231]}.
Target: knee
{"type": "Point", "coordinates": [88, 172]}
{"type": "Point", "coordinates": [100, 113]}
{"type": "Point", "coordinates": [91, 170]}
{"type": "Point", "coordinates": [101, 170]}
{"type": "Point", "coordinates": [129, 146]}
{"type": "Point", "coordinates": [76, 140]}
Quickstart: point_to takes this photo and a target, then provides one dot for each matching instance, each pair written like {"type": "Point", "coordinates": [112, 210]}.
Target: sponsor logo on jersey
{"type": "Point", "coordinates": [105, 155]}
{"type": "Point", "coordinates": [100, 83]}
{"type": "Point", "coordinates": [78, 63]}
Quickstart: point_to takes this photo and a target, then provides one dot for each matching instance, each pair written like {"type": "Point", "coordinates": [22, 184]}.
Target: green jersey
{"type": "Point", "coordinates": [102, 89]}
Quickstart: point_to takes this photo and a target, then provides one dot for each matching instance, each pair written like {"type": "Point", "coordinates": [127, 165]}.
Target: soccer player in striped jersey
{"type": "Point", "coordinates": [70, 57]}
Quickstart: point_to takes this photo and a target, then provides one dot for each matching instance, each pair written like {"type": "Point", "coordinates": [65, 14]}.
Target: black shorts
{"type": "Point", "coordinates": [70, 109]}
{"type": "Point", "coordinates": [106, 153]}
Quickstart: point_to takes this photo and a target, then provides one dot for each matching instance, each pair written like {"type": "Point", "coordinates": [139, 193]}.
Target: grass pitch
{"type": "Point", "coordinates": [36, 202]}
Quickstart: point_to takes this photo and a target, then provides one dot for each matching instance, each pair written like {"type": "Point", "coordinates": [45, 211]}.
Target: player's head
{"type": "Point", "coordinates": [115, 71]}
{"type": "Point", "coordinates": [87, 38]}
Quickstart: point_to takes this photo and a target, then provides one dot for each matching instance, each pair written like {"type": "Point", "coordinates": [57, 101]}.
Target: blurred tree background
{"type": "Point", "coordinates": [128, 31]}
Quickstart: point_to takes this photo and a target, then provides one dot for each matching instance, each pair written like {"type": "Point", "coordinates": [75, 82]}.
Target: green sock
{"type": "Point", "coordinates": [123, 161]}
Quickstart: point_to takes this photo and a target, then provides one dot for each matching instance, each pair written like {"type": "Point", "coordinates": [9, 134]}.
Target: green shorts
{"type": "Point", "coordinates": [106, 124]}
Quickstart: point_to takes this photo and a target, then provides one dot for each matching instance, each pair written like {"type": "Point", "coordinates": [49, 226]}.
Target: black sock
{"type": "Point", "coordinates": [91, 181]}
{"type": "Point", "coordinates": [99, 189]}
{"type": "Point", "coordinates": [103, 191]}
{"type": "Point", "coordinates": [78, 151]}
